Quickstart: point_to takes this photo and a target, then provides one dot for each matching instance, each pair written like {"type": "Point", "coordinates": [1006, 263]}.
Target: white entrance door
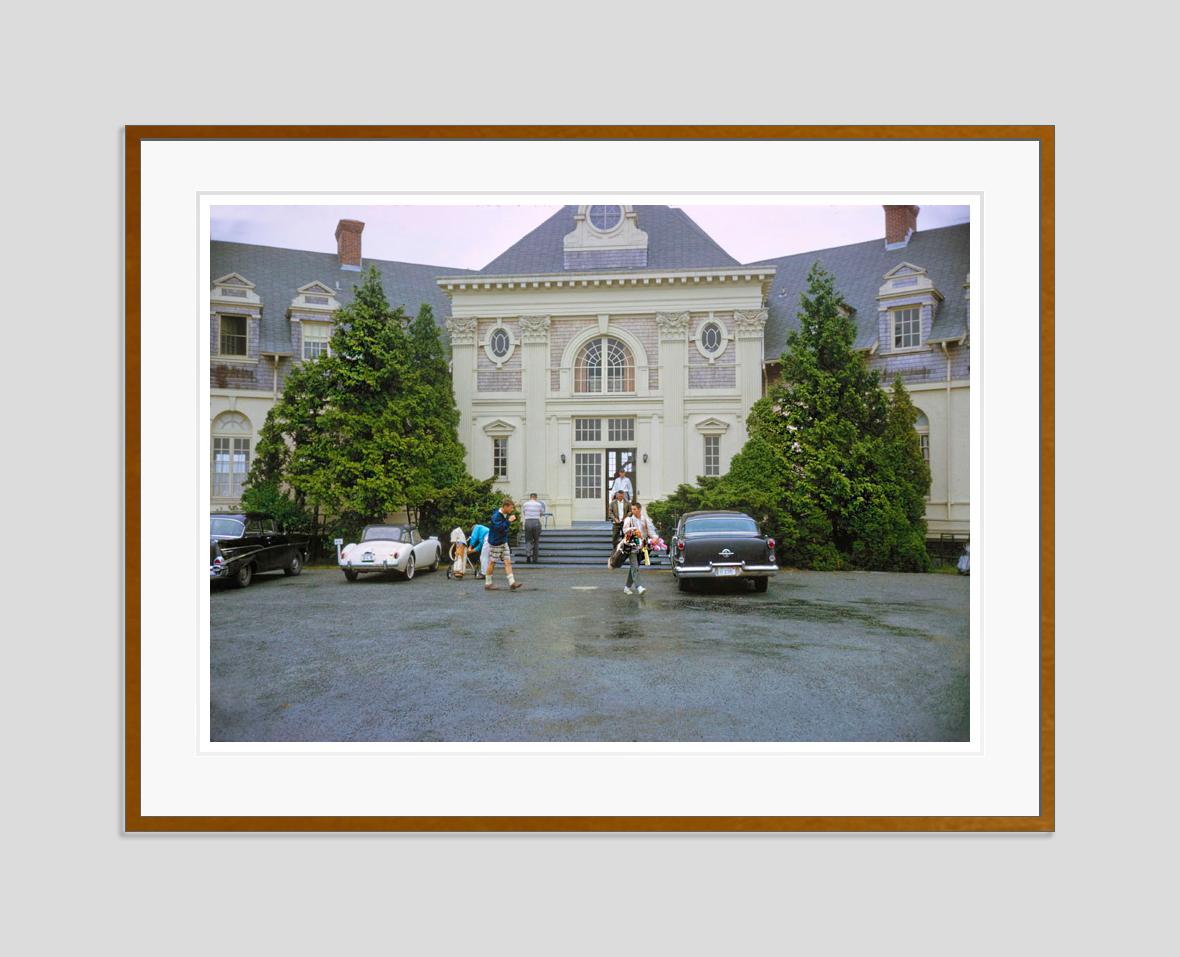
{"type": "Point", "coordinates": [589, 492]}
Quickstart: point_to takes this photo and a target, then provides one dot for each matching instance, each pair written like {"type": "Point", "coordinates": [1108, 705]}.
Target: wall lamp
{"type": "Point", "coordinates": [645, 458]}
{"type": "Point", "coordinates": [563, 458]}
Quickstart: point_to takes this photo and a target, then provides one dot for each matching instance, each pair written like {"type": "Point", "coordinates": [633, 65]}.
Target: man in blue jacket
{"type": "Point", "coordinates": [497, 545]}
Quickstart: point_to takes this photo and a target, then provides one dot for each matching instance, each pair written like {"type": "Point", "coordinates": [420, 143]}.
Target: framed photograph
{"type": "Point", "coordinates": [589, 478]}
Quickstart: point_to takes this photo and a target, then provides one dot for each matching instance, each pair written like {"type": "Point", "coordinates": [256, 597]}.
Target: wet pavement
{"type": "Point", "coordinates": [853, 656]}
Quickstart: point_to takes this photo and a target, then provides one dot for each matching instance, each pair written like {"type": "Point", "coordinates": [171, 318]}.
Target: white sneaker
{"type": "Point", "coordinates": [641, 589]}
{"type": "Point", "coordinates": [627, 590]}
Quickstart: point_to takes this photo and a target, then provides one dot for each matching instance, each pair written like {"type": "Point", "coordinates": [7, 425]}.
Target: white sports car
{"type": "Point", "coordinates": [390, 548]}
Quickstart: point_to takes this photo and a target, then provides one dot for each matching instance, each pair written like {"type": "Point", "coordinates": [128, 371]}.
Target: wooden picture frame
{"type": "Point", "coordinates": [137, 137]}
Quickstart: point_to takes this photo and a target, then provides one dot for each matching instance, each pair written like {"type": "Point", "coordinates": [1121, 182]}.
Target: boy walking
{"type": "Point", "coordinates": [497, 546]}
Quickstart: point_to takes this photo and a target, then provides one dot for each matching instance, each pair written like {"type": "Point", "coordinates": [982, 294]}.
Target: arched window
{"type": "Point", "coordinates": [604, 365]}
{"type": "Point", "coordinates": [922, 426]}
{"type": "Point", "coordinates": [230, 454]}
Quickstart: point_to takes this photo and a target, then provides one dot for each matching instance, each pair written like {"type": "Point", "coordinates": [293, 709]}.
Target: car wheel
{"type": "Point", "coordinates": [761, 584]}
{"type": "Point", "coordinates": [437, 559]}
{"type": "Point", "coordinates": [409, 572]}
{"type": "Point", "coordinates": [244, 576]}
{"type": "Point", "coordinates": [294, 566]}
{"type": "Point", "coordinates": [682, 584]}
{"type": "Point", "coordinates": [351, 575]}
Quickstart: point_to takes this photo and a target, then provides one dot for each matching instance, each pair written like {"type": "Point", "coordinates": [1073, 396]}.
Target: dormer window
{"type": "Point", "coordinates": [233, 335]}
{"type": "Point", "coordinates": [907, 328]}
{"type": "Point", "coordinates": [605, 237]}
{"type": "Point", "coordinates": [907, 302]}
{"type": "Point", "coordinates": [605, 218]}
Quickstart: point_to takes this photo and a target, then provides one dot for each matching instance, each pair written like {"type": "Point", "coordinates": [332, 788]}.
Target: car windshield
{"type": "Point", "coordinates": [720, 525]}
{"type": "Point", "coordinates": [382, 533]}
{"type": "Point", "coordinates": [226, 527]}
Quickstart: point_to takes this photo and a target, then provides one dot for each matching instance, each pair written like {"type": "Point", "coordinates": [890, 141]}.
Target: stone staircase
{"type": "Point", "coordinates": [586, 544]}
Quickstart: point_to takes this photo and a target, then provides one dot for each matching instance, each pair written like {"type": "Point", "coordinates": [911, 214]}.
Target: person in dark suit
{"type": "Point", "coordinates": [618, 514]}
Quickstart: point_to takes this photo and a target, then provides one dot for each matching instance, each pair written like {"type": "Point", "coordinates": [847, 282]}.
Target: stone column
{"type": "Point", "coordinates": [463, 335]}
{"type": "Point", "coordinates": [749, 331]}
{"type": "Point", "coordinates": [534, 334]}
{"type": "Point", "coordinates": [673, 382]}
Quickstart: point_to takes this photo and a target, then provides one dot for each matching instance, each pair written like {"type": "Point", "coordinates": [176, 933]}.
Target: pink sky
{"type": "Point", "coordinates": [469, 237]}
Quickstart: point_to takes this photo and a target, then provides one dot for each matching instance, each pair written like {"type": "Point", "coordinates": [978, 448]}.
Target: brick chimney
{"type": "Point", "coordinates": [348, 243]}
{"type": "Point", "coordinates": [900, 223]}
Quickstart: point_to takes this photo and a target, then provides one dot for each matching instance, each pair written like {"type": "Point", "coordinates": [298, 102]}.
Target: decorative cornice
{"type": "Point", "coordinates": [749, 324]}
{"type": "Point", "coordinates": [673, 325]}
{"type": "Point", "coordinates": [534, 328]}
{"type": "Point", "coordinates": [463, 331]}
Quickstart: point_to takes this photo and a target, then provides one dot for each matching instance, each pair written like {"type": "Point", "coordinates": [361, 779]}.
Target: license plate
{"type": "Point", "coordinates": [725, 571]}
{"type": "Point", "coordinates": [367, 557]}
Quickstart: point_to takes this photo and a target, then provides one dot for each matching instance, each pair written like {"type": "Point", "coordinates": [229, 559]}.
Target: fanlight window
{"type": "Point", "coordinates": [604, 365]}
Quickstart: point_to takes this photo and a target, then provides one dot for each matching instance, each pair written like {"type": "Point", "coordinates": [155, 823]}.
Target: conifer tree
{"type": "Point", "coordinates": [829, 467]}
{"type": "Point", "coordinates": [369, 427]}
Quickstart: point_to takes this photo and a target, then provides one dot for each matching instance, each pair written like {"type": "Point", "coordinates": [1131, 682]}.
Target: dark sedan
{"type": "Point", "coordinates": [721, 545]}
{"type": "Point", "coordinates": [242, 544]}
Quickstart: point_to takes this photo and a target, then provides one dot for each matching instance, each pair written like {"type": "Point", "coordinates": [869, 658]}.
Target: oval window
{"type": "Point", "coordinates": [500, 343]}
{"type": "Point", "coordinates": [711, 338]}
{"type": "Point", "coordinates": [605, 217]}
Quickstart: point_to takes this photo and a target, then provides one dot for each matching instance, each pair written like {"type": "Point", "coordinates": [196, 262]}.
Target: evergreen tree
{"type": "Point", "coordinates": [370, 427]}
{"type": "Point", "coordinates": [829, 467]}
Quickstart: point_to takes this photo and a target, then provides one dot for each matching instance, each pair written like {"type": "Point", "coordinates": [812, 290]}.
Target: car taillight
{"type": "Point", "coordinates": [770, 544]}
{"type": "Point", "coordinates": [680, 545]}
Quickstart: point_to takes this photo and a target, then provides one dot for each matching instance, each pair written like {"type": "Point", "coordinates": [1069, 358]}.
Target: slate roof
{"type": "Point", "coordinates": [674, 241]}
{"type": "Point", "coordinates": [860, 270]}
{"type": "Point", "coordinates": [278, 273]}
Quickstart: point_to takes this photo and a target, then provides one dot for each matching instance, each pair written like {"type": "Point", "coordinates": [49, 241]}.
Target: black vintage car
{"type": "Point", "coordinates": [721, 545]}
{"type": "Point", "coordinates": [241, 544]}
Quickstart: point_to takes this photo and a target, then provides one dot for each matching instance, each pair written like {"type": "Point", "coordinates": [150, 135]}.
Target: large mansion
{"type": "Point", "coordinates": [608, 337]}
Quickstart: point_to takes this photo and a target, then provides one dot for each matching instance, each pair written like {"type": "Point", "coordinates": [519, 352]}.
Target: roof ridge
{"type": "Point", "coordinates": [863, 242]}
{"type": "Point", "coordinates": [332, 255]}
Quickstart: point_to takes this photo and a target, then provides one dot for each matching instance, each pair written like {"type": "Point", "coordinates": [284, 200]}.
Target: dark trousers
{"type": "Point", "coordinates": [532, 538]}
{"type": "Point", "coordinates": [616, 529]}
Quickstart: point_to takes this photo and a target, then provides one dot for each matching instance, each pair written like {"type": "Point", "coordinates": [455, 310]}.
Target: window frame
{"type": "Point", "coordinates": [245, 335]}
{"type": "Point", "coordinates": [322, 338]}
{"type": "Point", "coordinates": [628, 371]}
{"type": "Point", "coordinates": [894, 318]}
{"type": "Point", "coordinates": [715, 453]}
{"type": "Point", "coordinates": [499, 456]}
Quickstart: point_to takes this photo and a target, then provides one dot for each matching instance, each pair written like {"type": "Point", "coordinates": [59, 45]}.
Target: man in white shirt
{"type": "Point", "coordinates": [532, 511]}
{"type": "Point", "coordinates": [636, 524]}
{"type": "Point", "coordinates": [623, 484]}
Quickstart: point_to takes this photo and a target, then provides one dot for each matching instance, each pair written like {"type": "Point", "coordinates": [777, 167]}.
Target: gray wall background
{"type": "Point", "coordinates": [73, 77]}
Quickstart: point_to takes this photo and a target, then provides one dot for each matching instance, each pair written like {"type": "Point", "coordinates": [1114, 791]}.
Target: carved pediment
{"type": "Point", "coordinates": [499, 428]}
{"type": "Point", "coordinates": [233, 279]}
{"type": "Point", "coordinates": [712, 426]}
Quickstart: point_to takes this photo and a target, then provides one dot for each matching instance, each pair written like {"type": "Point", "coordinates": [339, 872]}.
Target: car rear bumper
{"type": "Point", "coordinates": [724, 570]}
{"type": "Point", "coordinates": [383, 566]}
